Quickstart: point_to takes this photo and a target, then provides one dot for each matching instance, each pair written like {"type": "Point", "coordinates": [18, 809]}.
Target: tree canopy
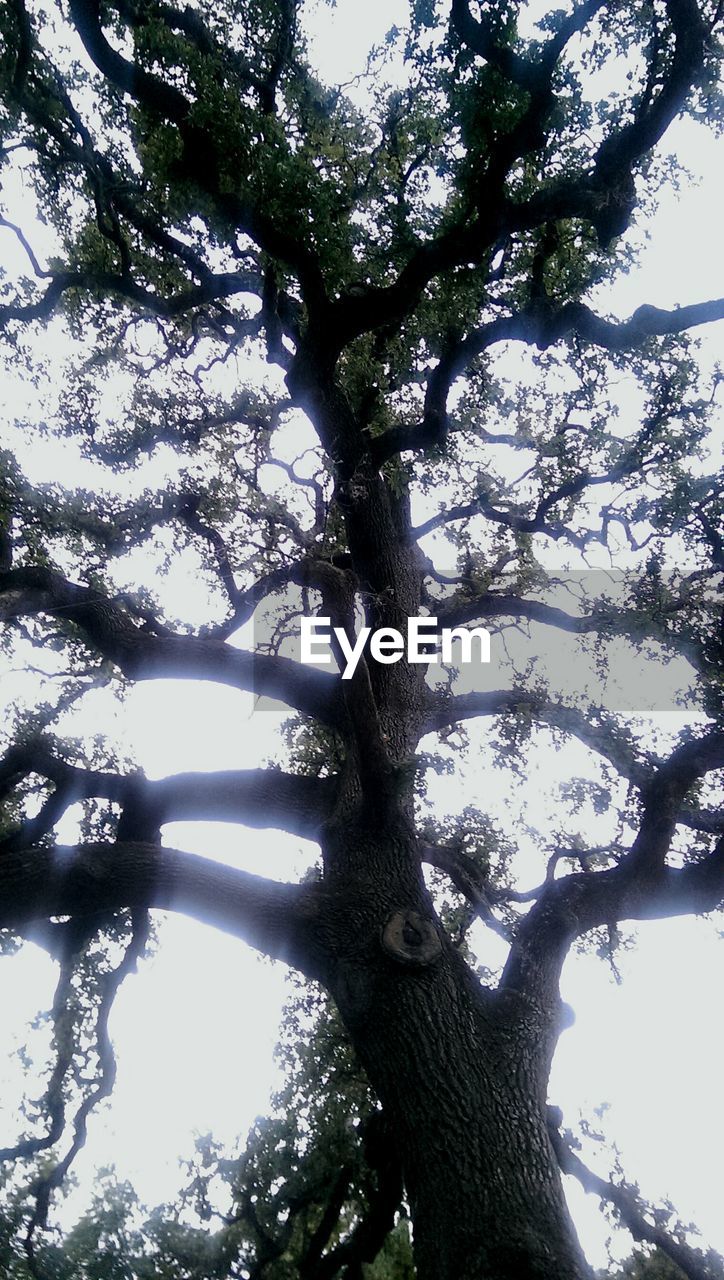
{"type": "Point", "coordinates": [348, 351]}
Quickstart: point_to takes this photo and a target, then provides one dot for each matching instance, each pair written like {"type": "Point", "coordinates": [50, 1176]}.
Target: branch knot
{"type": "Point", "coordinates": [411, 940]}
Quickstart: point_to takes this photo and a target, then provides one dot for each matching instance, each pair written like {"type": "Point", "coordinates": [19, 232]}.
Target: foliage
{"type": "Point", "coordinates": [352, 350]}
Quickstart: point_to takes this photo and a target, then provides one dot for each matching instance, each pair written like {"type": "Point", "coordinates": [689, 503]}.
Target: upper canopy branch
{"type": "Point", "coordinates": [606, 195]}
{"type": "Point", "coordinates": [531, 74]}
{"type": "Point", "coordinates": [121, 203]}
{"type": "Point", "coordinates": [622, 148]}
{"type": "Point", "coordinates": [190, 24]}
{"type": "Point", "coordinates": [602, 194]}
{"type": "Point", "coordinates": [540, 326]}
{"type": "Point", "coordinates": [604, 738]}
{"type": "Point", "coordinates": [338, 321]}
{"type": "Point", "coordinates": [479, 35]}
{"type": "Point", "coordinates": [202, 154]}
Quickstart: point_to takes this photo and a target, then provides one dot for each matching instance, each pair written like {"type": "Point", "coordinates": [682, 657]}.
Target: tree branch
{"type": "Point", "coordinates": [629, 1210]}
{"type": "Point", "coordinates": [200, 146]}
{"type": "Point", "coordinates": [603, 739]}
{"type": "Point", "coordinates": [256, 798]}
{"type": "Point", "coordinates": [102, 1087]}
{"type": "Point", "coordinates": [541, 326]}
{"type": "Point", "coordinates": [469, 879]}
{"type": "Point", "coordinates": [213, 288]}
{"type": "Point", "coordinates": [640, 887]}
{"type": "Point", "coordinates": [275, 918]}
{"type": "Point", "coordinates": [143, 655]}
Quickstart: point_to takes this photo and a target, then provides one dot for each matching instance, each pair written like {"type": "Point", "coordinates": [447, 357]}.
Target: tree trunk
{"type": "Point", "coordinates": [461, 1071]}
{"type": "Point", "coordinates": [462, 1074]}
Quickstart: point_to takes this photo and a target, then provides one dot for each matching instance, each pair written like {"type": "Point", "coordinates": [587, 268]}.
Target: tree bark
{"type": "Point", "coordinates": [461, 1072]}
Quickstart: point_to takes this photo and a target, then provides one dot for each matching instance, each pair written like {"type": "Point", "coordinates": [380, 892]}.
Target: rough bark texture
{"type": "Point", "coordinates": [462, 1074]}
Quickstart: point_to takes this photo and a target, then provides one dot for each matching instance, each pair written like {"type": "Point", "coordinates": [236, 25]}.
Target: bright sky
{"type": "Point", "coordinates": [195, 1029]}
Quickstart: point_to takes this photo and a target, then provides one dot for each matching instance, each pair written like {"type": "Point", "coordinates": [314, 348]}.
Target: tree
{"type": "Point", "coordinates": [211, 204]}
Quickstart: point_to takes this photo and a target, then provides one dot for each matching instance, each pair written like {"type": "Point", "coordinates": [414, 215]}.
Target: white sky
{"type": "Point", "coordinates": [195, 1030]}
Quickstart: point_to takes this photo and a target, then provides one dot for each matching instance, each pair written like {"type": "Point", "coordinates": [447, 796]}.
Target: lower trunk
{"type": "Point", "coordinates": [468, 1113]}
{"type": "Point", "coordinates": [484, 1187]}
{"type": "Point", "coordinates": [462, 1075]}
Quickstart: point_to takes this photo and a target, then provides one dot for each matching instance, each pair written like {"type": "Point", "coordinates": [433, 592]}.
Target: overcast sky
{"type": "Point", "coordinates": [195, 1029]}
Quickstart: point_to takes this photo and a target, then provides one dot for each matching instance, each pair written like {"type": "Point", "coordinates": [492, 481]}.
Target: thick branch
{"type": "Point", "coordinates": [213, 288]}
{"type": "Point", "coordinates": [277, 919]}
{"type": "Point", "coordinates": [143, 655]}
{"type": "Point", "coordinates": [663, 797]}
{"type": "Point", "coordinates": [532, 75]}
{"type": "Point", "coordinates": [641, 887]}
{"type": "Point", "coordinates": [254, 797]}
{"type": "Point", "coordinates": [478, 35]}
